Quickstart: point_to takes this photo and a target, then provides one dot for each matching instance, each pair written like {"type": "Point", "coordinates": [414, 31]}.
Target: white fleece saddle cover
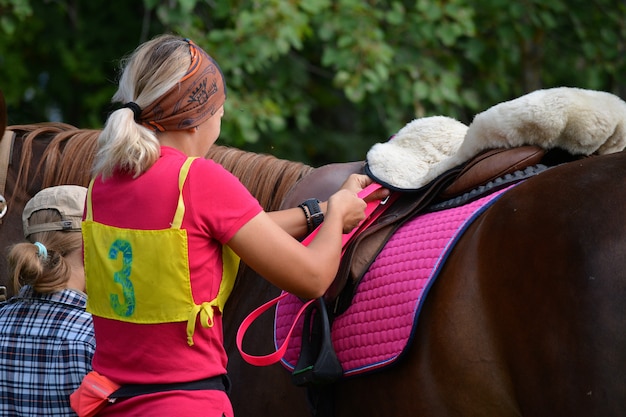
{"type": "Point", "coordinates": [582, 122]}
{"type": "Point", "coordinates": [379, 324]}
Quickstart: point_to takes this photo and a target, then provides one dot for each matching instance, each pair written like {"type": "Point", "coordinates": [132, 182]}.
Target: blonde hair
{"type": "Point", "coordinates": [48, 275]}
{"type": "Point", "coordinates": [152, 69]}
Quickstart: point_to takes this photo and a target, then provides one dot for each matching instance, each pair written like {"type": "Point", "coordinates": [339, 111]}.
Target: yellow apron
{"type": "Point", "coordinates": [142, 276]}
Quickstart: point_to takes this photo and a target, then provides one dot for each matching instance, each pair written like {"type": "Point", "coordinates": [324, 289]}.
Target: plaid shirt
{"type": "Point", "coordinates": [46, 346]}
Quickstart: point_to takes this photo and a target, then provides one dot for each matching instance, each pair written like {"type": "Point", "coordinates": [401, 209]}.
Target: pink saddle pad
{"type": "Point", "coordinates": [378, 326]}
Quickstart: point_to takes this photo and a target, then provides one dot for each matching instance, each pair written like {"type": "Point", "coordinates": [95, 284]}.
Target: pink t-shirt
{"type": "Point", "coordinates": [217, 205]}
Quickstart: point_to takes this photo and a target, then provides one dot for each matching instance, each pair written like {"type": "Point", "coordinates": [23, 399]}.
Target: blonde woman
{"type": "Point", "coordinates": [163, 226]}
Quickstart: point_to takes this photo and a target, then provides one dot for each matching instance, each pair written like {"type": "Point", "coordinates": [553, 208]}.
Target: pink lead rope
{"type": "Point", "coordinates": [276, 356]}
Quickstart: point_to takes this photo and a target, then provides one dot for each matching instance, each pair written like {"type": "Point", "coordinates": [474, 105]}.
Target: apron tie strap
{"type": "Point", "coordinates": [206, 312]}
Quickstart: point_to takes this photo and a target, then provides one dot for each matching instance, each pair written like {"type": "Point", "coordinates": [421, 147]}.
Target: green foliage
{"type": "Point", "coordinates": [316, 80]}
{"type": "Point", "coordinates": [12, 12]}
{"type": "Point", "coordinates": [61, 61]}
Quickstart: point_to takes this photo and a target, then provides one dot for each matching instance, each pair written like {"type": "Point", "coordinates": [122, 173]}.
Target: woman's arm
{"type": "Point", "coordinates": [293, 220]}
{"type": "Point", "coordinates": [306, 271]}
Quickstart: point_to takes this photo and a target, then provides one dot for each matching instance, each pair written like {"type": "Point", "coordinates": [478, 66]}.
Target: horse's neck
{"type": "Point", "coordinates": [267, 178]}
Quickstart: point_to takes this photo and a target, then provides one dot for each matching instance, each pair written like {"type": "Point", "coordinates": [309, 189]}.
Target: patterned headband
{"type": "Point", "coordinates": [189, 103]}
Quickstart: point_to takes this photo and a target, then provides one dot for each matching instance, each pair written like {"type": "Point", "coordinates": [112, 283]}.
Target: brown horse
{"type": "Point", "coordinates": [527, 316]}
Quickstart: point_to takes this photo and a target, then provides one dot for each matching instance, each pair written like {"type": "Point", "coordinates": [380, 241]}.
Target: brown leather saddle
{"type": "Point", "coordinates": [486, 168]}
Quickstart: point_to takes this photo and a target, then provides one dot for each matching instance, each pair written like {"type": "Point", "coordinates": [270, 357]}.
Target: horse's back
{"type": "Point", "coordinates": [527, 316]}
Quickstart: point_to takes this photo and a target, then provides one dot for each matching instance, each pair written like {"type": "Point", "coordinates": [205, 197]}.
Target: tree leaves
{"type": "Point", "coordinates": [317, 80]}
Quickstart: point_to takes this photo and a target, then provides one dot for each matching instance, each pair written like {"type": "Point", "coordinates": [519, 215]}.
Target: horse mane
{"type": "Point", "coordinates": [69, 157]}
{"type": "Point", "coordinates": [268, 178]}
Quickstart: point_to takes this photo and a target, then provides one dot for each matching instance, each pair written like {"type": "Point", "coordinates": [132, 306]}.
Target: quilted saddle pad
{"type": "Point", "coordinates": [376, 329]}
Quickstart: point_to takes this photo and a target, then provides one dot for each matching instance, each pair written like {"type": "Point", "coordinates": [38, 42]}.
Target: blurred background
{"type": "Point", "coordinates": [316, 81]}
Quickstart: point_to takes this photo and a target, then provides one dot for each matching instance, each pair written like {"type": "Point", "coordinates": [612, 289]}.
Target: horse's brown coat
{"type": "Point", "coordinates": [526, 318]}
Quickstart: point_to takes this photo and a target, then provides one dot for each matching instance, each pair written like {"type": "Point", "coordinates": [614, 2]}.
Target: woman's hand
{"type": "Point", "coordinates": [355, 212]}
{"type": "Point", "coordinates": [357, 182]}
{"type": "Point", "coordinates": [350, 207]}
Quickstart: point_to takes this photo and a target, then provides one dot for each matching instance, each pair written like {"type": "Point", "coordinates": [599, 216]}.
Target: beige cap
{"type": "Point", "coordinates": [68, 200]}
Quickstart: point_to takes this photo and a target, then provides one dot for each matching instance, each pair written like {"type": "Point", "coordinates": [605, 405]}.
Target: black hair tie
{"type": "Point", "coordinates": [136, 110]}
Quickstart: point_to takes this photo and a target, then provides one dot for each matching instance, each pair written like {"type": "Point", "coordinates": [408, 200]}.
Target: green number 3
{"type": "Point", "coordinates": [122, 277]}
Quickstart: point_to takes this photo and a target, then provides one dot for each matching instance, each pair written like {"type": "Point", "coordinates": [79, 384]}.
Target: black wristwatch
{"type": "Point", "coordinates": [313, 213]}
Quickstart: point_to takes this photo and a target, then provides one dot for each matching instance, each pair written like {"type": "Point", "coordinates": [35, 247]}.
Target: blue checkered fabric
{"type": "Point", "coordinates": [46, 346]}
